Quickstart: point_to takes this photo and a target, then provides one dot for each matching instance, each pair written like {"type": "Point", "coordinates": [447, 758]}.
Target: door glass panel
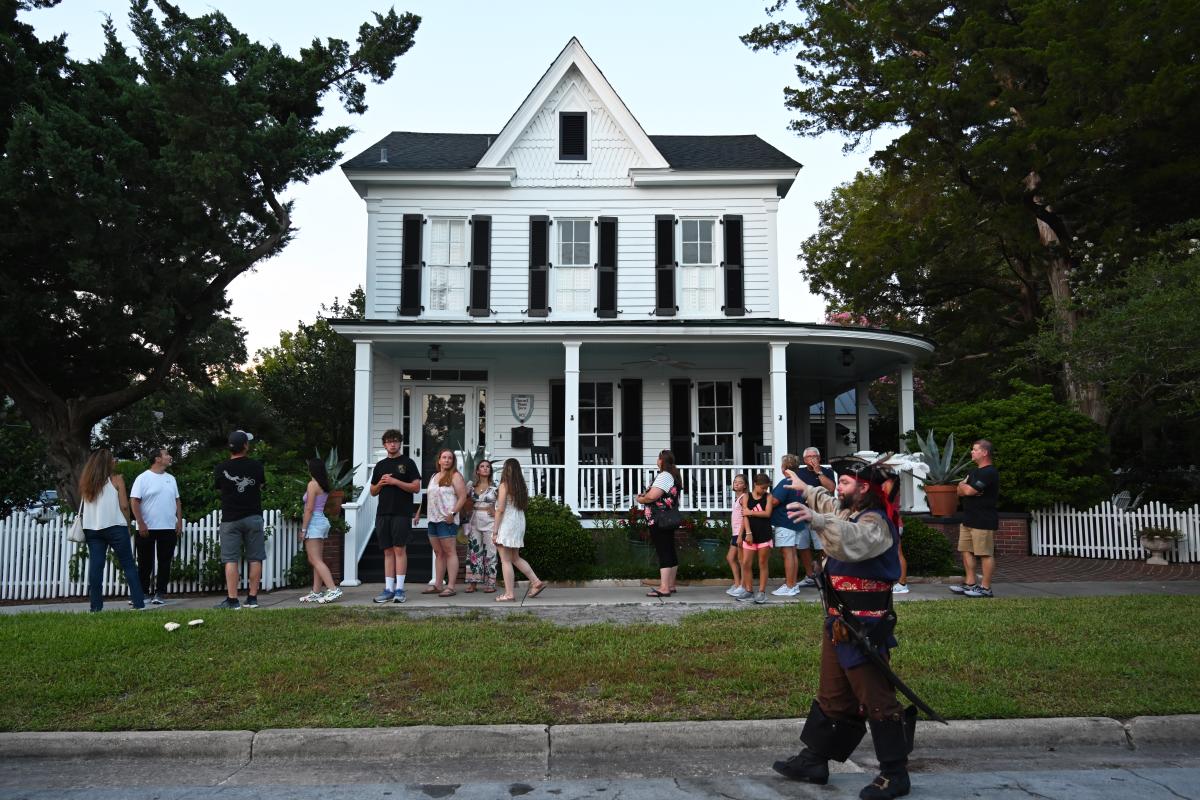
{"type": "Point", "coordinates": [445, 423]}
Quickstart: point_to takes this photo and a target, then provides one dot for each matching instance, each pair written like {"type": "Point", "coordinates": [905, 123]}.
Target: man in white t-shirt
{"type": "Point", "coordinates": [159, 515]}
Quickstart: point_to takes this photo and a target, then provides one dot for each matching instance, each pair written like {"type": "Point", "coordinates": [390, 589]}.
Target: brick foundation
{"type": "Point", "coordinates": [1012, 538]}
{"type": "Point", "coordinates": [334, 555]}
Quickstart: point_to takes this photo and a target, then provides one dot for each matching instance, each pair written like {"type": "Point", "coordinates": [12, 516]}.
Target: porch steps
{"type": "Point", "coordinates": [420, 561]}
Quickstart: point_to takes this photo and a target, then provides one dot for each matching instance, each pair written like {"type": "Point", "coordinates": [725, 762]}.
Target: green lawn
{"type": "Point", "coordinates": [358, 667]}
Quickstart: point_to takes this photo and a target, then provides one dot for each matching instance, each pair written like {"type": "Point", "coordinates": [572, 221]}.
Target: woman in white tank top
{"type": "Point", "coordinates": [106, 524]}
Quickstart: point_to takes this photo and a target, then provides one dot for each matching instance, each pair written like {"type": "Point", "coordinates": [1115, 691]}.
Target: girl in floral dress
{"type": "Point", "coordinates": [481, 524]}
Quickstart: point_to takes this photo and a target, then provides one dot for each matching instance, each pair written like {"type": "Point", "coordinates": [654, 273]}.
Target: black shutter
{"type": "Point", "coordinates": [572, 136]}
{"type": "Point", "coordinates": [664, 266]}
{"type": "Point", "coordinates": [734, 268]}
{"type": "Point", "coordinates": [752, 417]}
{"type": "Point", "coordinates": [481, 266]}
{"type": "Point", "coordinates": [606, 269]}
{"type": "Point", "coordinates": [631, 421]}
{"type": "Point", "coordinates": [680, 413]}
{"type": "Point", "coordinates": [410, 267]}
{"type": "Point", "coordinates": [558, 420]}
{"type": "Point", "coordinates": [539, 266]}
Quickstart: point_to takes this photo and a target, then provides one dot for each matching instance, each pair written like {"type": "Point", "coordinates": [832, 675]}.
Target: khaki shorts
{"type": "Point", "coordinates": [976, 540]}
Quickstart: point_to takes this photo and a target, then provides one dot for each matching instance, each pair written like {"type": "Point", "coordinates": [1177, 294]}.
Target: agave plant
{"type": "Point", "coordinates": [341, 475]}
{"type": "Point", "coordinates": [940, 460]}
{"type": "Point", "coordinates": [469, 460]}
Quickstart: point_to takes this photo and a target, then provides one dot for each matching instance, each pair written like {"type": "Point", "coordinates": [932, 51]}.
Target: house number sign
{"type": "Point", "coordinates": [522, 407]}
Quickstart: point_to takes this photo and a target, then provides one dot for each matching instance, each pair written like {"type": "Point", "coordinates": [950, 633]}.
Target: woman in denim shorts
{"type": "Point", "coordinates": [314, 530]}
{"type": "Point", "coordinates": [444, 498]}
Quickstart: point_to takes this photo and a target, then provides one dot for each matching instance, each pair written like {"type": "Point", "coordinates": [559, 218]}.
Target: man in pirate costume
{"type": "Point", "coordinates": [857, 688]}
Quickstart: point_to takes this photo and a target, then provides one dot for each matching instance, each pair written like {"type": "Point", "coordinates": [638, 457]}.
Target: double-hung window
{"type": "Point", "coordinates": [715, 415]}
{"type": "Point", "coordinates": [699, 266]}
{"type": "Point", "coordinates": [574, 276]}
{"type": "Point", "coordinates": [447, 266]}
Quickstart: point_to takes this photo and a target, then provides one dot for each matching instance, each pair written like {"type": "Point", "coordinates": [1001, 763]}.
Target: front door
{"type": "Point", "coordinates": [447, 416]}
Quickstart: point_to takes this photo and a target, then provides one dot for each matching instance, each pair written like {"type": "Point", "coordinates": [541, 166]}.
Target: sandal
{"type": "Point", "coordinates": [470, 588]}
{"type": "Point", "coordinates": [447, 592]}
{"type": "Point", "coordinates": [489, 589]}
{"type": "Point", "coordinates": [535, 591]}
{"type": "Point", "coordinates": [505, 598]}
{"type": "Point", "coordinates": [430, 589]}
{"type": "Point", "coordinates": [657, 593]}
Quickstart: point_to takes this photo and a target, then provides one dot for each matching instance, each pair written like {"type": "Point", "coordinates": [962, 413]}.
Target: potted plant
{"type": "Point", "coordinates": [941, 482]}
{"type": "Point", "coordinates": [1158, 541]}
{"type": "Point", "coordinates": [341, 476]}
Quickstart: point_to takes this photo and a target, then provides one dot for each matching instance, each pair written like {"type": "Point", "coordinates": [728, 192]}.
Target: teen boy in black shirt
{"type": "Point", "coordinates": [395, 482]}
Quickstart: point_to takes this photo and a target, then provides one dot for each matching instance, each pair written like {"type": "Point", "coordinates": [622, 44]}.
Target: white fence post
{"type": "Point", "coordinates": [1106, 531]}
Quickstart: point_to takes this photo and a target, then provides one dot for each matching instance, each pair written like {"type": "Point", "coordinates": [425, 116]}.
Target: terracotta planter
{"type": "Point", "coordinates": [333, 503]}
{"type": "Point", "coordinates": [1158, 548]}
{"type": "Point", "coordinates": [943, 499]}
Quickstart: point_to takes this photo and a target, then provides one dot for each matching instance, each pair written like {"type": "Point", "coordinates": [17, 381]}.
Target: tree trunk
{"type": "Point", "coordinates": [67, 452]}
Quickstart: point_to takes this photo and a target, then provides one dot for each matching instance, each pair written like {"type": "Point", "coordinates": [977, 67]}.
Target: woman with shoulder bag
{"type": "Point", "coordinates": [106, 524]}
{"type": "Point", "coordinates": [661, 504]}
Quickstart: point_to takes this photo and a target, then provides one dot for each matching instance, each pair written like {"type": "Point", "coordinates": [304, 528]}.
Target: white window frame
{"type": "Point", "coordinates": [570, 108]}
{"type": "Point", "coordinates": [687, 273]}
{"type": "Point", "coordinates": [432, 263]}
{"type": "Point", "coordinates": [613, 435]}
{"type": "Point", "coordinates": [585, 272]}
{"type": "Point", "coordinates": [735, 422]}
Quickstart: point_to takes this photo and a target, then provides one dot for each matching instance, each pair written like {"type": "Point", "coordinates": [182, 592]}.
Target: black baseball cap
{"type": "Point", "coordinates": [239, 439]}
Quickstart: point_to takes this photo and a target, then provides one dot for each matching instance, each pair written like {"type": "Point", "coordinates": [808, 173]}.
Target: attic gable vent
{"type": "Point", "coordinates": [383, 155]}
{"type": "Point", "coordinates": [572, 135]}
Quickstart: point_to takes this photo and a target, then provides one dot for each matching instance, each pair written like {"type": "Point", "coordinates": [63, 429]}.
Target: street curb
{"type": "Point", "coordinates": [1041, 733]}
{"type": "Point", "coordinates": [208, 745]}
{"type": "Point", "coordinates": [418, 741]}
{"type": "Point", "coordinates": [1184, 728]}
{"type": "Point", "coordinates": [640, 738]}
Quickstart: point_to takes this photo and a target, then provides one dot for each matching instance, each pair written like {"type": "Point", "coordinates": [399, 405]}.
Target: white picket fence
{"type": "Point", "coordinates": [1108, 532]}
{"type": "Point", "coordinates": [35, 557]}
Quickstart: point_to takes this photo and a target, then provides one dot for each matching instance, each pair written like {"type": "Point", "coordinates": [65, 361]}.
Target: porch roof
{"type": "Point", "coordinates": [834, 357]}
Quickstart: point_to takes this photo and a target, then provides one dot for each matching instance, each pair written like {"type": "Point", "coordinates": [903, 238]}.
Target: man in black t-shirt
{"type": "Point", "coordinates": [395, 481]}
{"type": "Point", "coordinates": [240, 480]}
{"type": "Point", "coordinates": [980, 492]}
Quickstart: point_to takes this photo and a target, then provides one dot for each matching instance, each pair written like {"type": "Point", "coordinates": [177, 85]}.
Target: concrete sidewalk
{"type": "Point", "coordinates": [629, 595]}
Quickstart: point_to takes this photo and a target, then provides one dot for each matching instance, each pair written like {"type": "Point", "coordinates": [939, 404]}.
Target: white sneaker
{"type": "Point", "coordinates": [900, 588]}
{"type": "Point", "coordinates": [795, 590]}
{"type": "Point", "coordinates": [807, 582]}
{"type": "Point", "coordinates": [330, 595]}
{"type": "Point", "coordinates": [783, 591]}
{"type": "Point", "coordinates": [740, 594]}
{"type": "Point", "coordinates": [732, 590]}
{"type": "Point", "coordinates": [311, 597]}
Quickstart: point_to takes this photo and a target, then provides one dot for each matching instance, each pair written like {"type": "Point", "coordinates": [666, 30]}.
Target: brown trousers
{"type": "Point", "coordinates": [857, 693]}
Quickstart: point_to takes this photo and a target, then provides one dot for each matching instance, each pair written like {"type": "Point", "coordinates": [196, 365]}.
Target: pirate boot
{"type": "Point", "coordinates": [893, 743]}
{"type": "Point", "coordinates": [823, 739]}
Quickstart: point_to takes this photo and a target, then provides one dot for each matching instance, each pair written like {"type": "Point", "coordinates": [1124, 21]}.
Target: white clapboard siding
{"type": "Point", "coordinates": [36, 557]}
{"type": "Point", "coordinates": [1107, 532]}
{"type": "Point", "coordinates": [510, 210]}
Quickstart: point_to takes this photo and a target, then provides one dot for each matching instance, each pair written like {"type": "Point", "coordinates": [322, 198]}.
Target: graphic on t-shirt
{"type": "Point", "coordinates": [242, 483]}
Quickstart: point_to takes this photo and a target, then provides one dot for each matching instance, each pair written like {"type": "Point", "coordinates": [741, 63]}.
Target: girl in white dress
{"type": "Point", "coordinates": [511, 502]}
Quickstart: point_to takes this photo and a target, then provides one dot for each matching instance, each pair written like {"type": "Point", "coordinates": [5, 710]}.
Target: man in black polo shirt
{"type": "Point", "coordinates": [395, 482]}
{"type": "Point", "coordinates": [980, 493]}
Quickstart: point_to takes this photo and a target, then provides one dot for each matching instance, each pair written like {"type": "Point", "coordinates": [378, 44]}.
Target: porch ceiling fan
{"type": "Point", "coordinates": [660, 358]}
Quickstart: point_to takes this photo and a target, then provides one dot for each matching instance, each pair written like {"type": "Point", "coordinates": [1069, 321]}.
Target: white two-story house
{"type": "Point", "coordinates": [580, 295]}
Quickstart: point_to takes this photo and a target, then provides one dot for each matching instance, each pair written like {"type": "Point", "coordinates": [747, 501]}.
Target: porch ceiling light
{"type": "Point", "coordinates": [435, 352]}
{"type": "Point", "coordinates": [847, 357]}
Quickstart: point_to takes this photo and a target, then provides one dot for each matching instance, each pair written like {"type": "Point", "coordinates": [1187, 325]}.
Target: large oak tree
{"type": "Point", "coordinates": [135, 188]}
{"type": "Point", "coordinates": [1067, 122]}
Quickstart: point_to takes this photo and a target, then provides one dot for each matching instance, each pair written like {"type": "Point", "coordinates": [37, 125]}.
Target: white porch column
{"type": "Point", "coordinates": [779, 415]}
{"type": "Point", "coordinates": [912, 496]}
{"type": "Point", "coordinates": [571, 432]}
{"type": "Point", "coordinates": [362, 456]}
{"type": "Point", "coordinates": [862, 403]}
{"type": "Point", "coordinates": [831, 440]}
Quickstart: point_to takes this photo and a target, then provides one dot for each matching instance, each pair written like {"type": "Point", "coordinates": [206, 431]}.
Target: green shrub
{"type": "Point", "coordinates": [556, 544]}
{"type": "Point", "coordinates": [1046, 452]}
{"type": "Point", "coordinates": [927, 550]}
{"type": "Point", "coordinates": [299, 573]}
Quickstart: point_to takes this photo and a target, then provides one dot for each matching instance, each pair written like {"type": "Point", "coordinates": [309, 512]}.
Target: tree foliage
{"type": "Point", "coordinates": [1046, 452]}
{"type": "Point", "coordinates": [1063, 123]}
{"type": "Point", "coordinates": [308, 378]}
{"type": "Point", "coordinates": [136, 188]}
{"type": "Point", "coordinates": [22, 461]}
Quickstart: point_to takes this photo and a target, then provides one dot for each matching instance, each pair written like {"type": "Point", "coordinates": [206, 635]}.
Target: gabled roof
{"type": "Point", "coordinates": [573, 55]}
{"type": "Point", "coordinates": [406, 150]}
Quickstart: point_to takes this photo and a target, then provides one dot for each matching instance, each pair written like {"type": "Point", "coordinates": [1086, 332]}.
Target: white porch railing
{"type": "Point", "coordinates": [35, 558]}
{"type": "Point", "coordinates": [1107, 532]}
{"type": "Point", "coordinates": [613, 488]}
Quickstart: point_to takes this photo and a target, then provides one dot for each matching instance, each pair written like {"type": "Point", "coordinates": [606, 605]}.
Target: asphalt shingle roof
{"type": "Point", "coordinates": [407, 150]}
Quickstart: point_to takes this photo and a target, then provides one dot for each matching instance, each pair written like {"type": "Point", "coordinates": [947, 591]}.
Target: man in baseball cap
{"type": "Point", "coordinates": [240, 481]}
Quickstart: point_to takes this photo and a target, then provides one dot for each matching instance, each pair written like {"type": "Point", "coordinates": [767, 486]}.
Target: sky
{"type": "Point", "coordinates": [679, 67]}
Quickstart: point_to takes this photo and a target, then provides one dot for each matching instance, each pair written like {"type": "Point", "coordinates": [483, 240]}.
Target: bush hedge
{"type": "Point", "coordinates": [927, 550]}
{"type": "Point", "coordinates": [556, 543]}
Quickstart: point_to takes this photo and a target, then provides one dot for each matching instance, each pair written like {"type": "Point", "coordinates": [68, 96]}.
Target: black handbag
{"type": "Point", "coordinates": [664, 516]}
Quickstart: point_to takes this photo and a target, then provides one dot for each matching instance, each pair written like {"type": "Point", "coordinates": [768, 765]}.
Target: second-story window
{"type": "Point", "coordinates": [447, 266]}
{"type": "Point", "coordinates": [698, 266]}
{"type": "Point", "coordinates": [574, 277]}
